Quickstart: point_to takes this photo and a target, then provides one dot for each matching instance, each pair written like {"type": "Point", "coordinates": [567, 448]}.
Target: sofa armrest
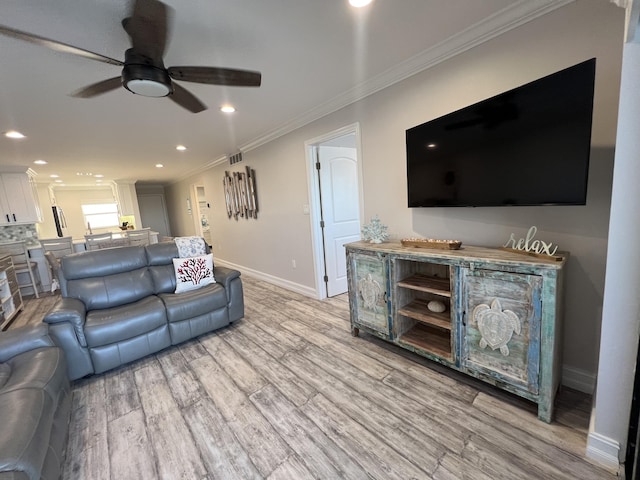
{"type": "Point", "coordinates": [69, 310]}
{"type": "Point", "coordinates": [224, 275]}
{"type": "Point", "coordinates": [19, 340]}
{"type": "Point", "coordinates": [230, 280]}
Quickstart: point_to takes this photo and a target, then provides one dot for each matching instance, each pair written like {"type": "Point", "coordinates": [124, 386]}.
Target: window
{"type": "Point", "coordinates": [101, 215]}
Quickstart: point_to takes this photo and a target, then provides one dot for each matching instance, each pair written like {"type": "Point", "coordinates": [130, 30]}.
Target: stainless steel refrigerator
{"type": "Point", "coordinates": [60, 221]}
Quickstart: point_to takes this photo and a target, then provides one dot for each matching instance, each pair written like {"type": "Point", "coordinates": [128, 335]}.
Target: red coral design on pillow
{"type": "Point", "coordinates": [193, 270]}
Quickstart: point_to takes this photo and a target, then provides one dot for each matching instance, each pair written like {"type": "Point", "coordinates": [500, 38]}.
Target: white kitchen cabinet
{"type": "Point", "coordinates": [18, 200]}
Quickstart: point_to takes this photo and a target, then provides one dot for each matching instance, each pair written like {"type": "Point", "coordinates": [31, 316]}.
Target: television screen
{"type": "Point", "coordinates": [527, 146]}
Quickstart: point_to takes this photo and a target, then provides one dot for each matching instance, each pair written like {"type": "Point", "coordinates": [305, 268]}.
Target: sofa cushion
{"type": "Point", "coordinates": [101, 263]}
{"type": "Point", "coordinates": [161, 253]}
{"type": "Point", "coordinates": [193, 272]}
{"type": "Point", "coordinates": [107, 278]}
{"type": "Point", "coordinates": [111, 325]}
{"type": "Point", "coordinates": [106, 357]}
{"type": "Point", "coordinates": [5, 372]}
{"type": "Point", "coordinates": [28, 413]}
{"type": "Point", "coordinates": [111, 290]}
{"type": "Point", "coordinates": [164, 278]}
{"type": "Point", "coordinates": [181, 306]}
{"type": "Point", "coordinates": [42, 368]}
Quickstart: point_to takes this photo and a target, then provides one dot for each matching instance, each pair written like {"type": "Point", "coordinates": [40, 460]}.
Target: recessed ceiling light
{"type": "Point", "coordinates": [58, 181]}
{"type": "Point", "coordinates": [84, 174]}
{"type": "Point", "coordinates": [98, 180]}
{"type": "Point", "coordinates": [181, 148]}
{"type": "Point", "coordinates": [359, 3]}
{"type": "Point", "coordinates": [13, 134]}
{"type": "Point", "coordinates": [98, 175]}
{"type": "Point", "coordinates": [431, 145]}
{"type": "Point", "coordinates": [40, 162]}
{"type": "Point", "coordinates": [54, 176]}
{"type": "Point", "coordinates": [159, 165]}
{"type": "Point", "coordinates": [227, 108]}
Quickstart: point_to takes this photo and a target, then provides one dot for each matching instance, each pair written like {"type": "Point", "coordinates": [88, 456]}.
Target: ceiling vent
{"type": "Point", "coordinates": [235, 158]}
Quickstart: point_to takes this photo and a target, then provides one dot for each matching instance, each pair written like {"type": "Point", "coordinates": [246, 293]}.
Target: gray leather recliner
{"type": "Point", "coordinates": [35, 405]}
{"type": "Point", "coordinates": [118, 305]}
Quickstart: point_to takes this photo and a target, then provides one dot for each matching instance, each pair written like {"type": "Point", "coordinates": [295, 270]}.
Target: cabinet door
{"type": "Point", "coordinates": [368, 291]}
{"type": "Point", "coordinates": [501, 327]}
{"type": "Point", "coordinates": [5, 209]}
{"type": "Point", "coordinates": [19, 204]}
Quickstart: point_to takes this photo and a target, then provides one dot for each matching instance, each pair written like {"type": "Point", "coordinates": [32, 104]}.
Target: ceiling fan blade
{"type": "Point", "coordinates": [57, 46]}
{"type": "Point", "coordinates": [98, 88]}
{"type": "Point", "coordinates": [148, 28]}
{"type": "Point", "coordinates": [186, 99]}
{"type": "Point", "coordinates": [216, 76]}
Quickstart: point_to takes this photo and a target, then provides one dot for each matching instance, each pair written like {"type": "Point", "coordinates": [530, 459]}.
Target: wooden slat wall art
{"type": "Point", "coordinates": [240, 194]}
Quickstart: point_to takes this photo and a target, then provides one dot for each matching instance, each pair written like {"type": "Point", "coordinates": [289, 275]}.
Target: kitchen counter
{"type": "Point", "coordinates": [80, 246]}
{"type": "Point", "coordinates": [36, 252]}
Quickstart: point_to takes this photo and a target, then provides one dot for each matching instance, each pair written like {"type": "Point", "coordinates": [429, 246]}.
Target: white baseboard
{"type": "Point", "coordinates": [604, 450]}
{"type": "Point", "coordinates": [577, 379]}
{"type": "Point", "coordinates": [280, 282]}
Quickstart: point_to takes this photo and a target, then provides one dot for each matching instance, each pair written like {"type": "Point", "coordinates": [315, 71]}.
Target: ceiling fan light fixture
{"type": "Point", "coordinates": [146, 80]}
{"type": "Point", "coordinates": [147, 88]}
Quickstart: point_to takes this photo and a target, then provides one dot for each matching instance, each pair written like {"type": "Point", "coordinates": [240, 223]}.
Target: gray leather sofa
{"type": "Point", "coordinates": [118, 305]}
{"type": "Point", "coordinates": [35, 405]}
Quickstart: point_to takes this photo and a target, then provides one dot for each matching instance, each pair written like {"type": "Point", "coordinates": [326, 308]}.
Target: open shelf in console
{"type": "Point", "coordinates": [432, 340]}
{"type": "Point", "coordinates": [426, 283]}
{"type": "Point", "coordinates": [418, 310]}
{"type": "Point", "coordinates": [422, 316]}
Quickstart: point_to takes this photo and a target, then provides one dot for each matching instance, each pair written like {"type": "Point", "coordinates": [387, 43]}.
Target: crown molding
{"type": "Point", "coordinates": [503, 21]}
{"type": "Point", "coordinates": [200, 169]}
{"type": "Point", "coordinates": [507, 19]}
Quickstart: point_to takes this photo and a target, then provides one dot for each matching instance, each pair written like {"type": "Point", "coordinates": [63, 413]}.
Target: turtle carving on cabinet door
{"type": "Point", "coordinates": [496, 325]}
{"type": "Point", "coordinates": [370, 291]}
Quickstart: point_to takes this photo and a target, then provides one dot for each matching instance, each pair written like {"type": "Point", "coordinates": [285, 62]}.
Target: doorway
{"type": "Point", "coordinates": [334, 176]}
{"type": "Point", "coordinates": [153, 213]}
{"type": "Point", "coordinates": [201, 213]}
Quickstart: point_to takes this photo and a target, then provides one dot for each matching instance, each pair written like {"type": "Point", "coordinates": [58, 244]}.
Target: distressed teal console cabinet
{"type": "Point", "coordinates": [489, 313]}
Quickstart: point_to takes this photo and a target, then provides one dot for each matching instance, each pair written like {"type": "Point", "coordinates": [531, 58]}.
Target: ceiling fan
{"type": "Point", "coordinates": [143, 69]}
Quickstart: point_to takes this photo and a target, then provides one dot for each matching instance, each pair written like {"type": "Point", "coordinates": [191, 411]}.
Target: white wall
{"type": "Point", "coordinates": [579, 31]}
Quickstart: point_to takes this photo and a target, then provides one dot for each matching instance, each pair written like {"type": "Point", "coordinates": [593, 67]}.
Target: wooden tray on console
{"type": "Point", "coordinates": [431, 243]}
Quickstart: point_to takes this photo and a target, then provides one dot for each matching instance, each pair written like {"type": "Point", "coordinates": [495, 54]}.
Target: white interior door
{"type": "Point", "coordinates": [339, 196]}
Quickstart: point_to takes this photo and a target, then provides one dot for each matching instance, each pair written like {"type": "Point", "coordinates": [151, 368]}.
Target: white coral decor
{"type": "Point", "coordinates": [375, 232]}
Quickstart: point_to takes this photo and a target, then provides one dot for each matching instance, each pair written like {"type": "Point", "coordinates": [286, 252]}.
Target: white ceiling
{"type": "Point", "coordinates": [315, 56]}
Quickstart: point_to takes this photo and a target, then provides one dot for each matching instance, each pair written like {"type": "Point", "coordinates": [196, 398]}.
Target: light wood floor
{"type": "Point", "coordinates": [288, 393]}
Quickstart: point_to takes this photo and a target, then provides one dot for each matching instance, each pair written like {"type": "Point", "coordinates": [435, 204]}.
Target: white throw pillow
{"type": "Point", "coordinates": [193, 272]}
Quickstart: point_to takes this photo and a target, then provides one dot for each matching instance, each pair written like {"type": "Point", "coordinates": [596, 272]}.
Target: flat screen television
{"type": "Point", "coordinates": [527, 146]}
